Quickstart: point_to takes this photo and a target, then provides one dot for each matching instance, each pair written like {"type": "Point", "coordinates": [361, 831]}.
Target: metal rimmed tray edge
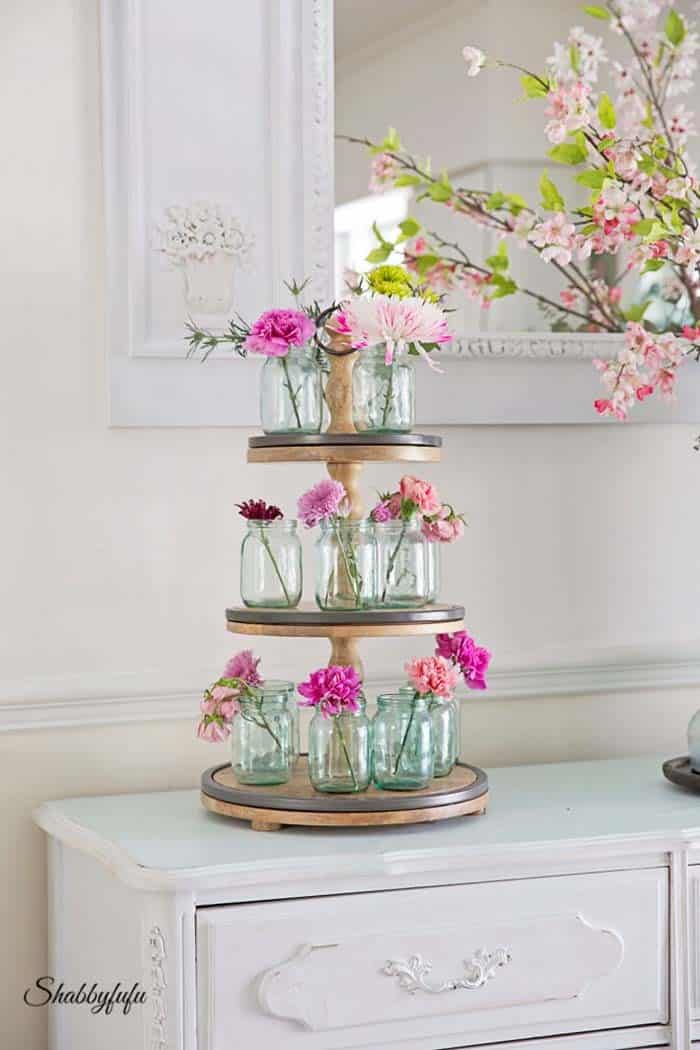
{"type": "Point", "coordinates": [322, 440]}
{"type": "Point", "coordinates": [385, 803]}
{"type": "Point", "coordinates": [678, 771]}
{"type": "Point", "coordinates": [318, 618]}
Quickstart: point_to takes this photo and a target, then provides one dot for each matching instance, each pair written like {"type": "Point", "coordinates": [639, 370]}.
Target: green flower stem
{"type": "Point", "coordinates": [392, 560]}
{"type": "Point", "coordinates": [389, 395]}
{"type": "Point", "coordinates": [339, 732]}
{"type": "Point", "coordinates": [266, 544]}
{"type": "Point", "coordinates": [405, 736]}
{"type": "Point", "coordinates": [350, 566]}
{"type": "Point", "coordinates": [290, 390]}
{"type": "Point", "coordinates": [262, 724]}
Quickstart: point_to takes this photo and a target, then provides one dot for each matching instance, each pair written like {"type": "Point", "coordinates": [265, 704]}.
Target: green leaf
{"type": "Point", "coordinates": [552, 199]}
{"type": "Point", "coordinates": [636, 312]}
{"type": "Point", "coordinates": [594, 179]}
{"type": "Point", "coordinates": [533, 87]}
{"type": "Point", "coordinates": [392, 142]}
{"type": "Point", "coordinates": [651, 265]}
{"type": "Point", "coordinates": [597, 12]}
{"type": "Point", "coordinates": [575, 58]}
{"type": "Point", "coordinates": [650, 230]}
{"type": "Point", "coordinates": [516, 203]}
{"type": "Point", "coordinates": [643, 227]}
{"type": "Point", "coordinates": [499, 260]}
{"type": "Point", "coordinates": [675, 28]}
{"type": "Point", "coordinates": [501, 286]}
{"type": "Point", "coordinates": [568, 153]}
{"type": "Point", "coordinates": [606, 111]}
{"type": "Point", "coordinates": [409, 227]}
{"type": "Point", "coordinates": [407, 180]}
{"type": "Point", "coordinates": [426, 262]}
{"type": "Point", "coordinates": [380, 254]}
{"type": "Point", "coordinates": [496, 200]}
{"type": "Point", "coordinates": [440, 192]}
{"type": "Point", "coordinates": [379, 235]}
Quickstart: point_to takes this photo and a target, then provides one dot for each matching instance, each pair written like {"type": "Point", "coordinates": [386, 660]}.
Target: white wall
{"type": "Point", "coordinates": [120, 547]}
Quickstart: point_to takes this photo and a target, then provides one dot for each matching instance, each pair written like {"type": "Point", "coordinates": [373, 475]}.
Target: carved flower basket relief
{"type": "Point", "coordinates": [207, 244]}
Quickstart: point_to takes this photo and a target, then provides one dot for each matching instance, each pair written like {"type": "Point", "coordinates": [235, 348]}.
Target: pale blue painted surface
{"type": "Point", "coordinates": [529, 804]}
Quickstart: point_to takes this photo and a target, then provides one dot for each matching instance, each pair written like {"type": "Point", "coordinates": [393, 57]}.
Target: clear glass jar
{"type": "Point", "coordinates": [271, 573]}
{"type": "Point", "coordinates": [290, 393]}
{"type": "Point", "coordinates": [261, 737]}
{"type": "Point", "coordinates": [694, 742]}
{"type": "Point", "coordinates": [402, 742]}
{"type": "Point", "coordinates": [281, 686]}
{"type": "Point", "coordinates": [383, 396]}
{"type": "Point", "coordinates": [403, 573]}
{"type": "Point", "coordinates": [346, 565]}
{"type": "Point", "coordinates": [433, 556]}
{"type": "Point", "coordinates": [339, 751]}
{"type": "Point", "coordinates": [445, 719]}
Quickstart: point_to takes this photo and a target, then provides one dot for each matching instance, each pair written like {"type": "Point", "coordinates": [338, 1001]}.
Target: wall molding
{"type": "Point", "coordinates": [57, 710]}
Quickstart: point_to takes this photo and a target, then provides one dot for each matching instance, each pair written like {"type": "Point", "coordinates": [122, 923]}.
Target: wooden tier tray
{"type": "Point", "coordinates": [344, 448]}
{"type": "Point", "coordinates": [464, 791]}
{"type": "Point", "coordinates": [308, 621]}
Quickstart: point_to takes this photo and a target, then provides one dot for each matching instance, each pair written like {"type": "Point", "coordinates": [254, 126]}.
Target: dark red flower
{"type": "Point", "coordinates": [259, 510]}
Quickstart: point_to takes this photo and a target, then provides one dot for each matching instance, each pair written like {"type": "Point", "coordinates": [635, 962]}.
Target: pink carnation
{"type": "Point", "coordinates": [276, 331]}
{"type": "Point", "coordinates": [388, 509]}
{"type": "Point", "coordinates": [332, 690]}
{"type": "Point", "coordinates": [321, 502]}
{"type": "Point", "coordinates": [463, 652]}
{"type": "Point", "coordinates": [245, 666]}
{"type": "Point", "coordinates": [422, 493]}
{"type": "Point", "coordinates": [432, 675]}
{"type": "Point", "coordinates": [446, 527]}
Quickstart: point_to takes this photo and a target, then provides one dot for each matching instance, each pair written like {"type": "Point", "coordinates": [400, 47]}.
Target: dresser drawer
{"type": "Point", "coordinates": [436, 967]}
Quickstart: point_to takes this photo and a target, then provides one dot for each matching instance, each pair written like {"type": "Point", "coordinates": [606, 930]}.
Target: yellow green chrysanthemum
{"type": "Point", "coordinates": [390, 280]}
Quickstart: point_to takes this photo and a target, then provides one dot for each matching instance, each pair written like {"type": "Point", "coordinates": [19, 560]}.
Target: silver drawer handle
{"type": "Point", "coordinates": [413, 972]}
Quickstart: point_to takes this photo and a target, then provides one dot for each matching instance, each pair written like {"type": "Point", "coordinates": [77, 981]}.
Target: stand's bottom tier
{"type": "Point", "coordinates": [464, 791]}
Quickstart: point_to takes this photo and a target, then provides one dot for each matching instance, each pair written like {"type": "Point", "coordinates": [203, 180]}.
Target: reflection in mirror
{"type": "Point", "coordinates": [401, 66]}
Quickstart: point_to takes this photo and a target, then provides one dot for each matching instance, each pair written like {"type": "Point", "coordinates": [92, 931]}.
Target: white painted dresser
{"type": "Point", "coordinates": [567, 916]}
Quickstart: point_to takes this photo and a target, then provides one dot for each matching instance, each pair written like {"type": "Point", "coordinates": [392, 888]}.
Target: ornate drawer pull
{"type": "Point", "coordinates": [413, 973]}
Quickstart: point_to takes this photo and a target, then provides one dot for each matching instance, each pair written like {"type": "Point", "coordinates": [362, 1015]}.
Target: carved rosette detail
{"type": "Point", "coordinates": [538, 346]}
{"type": "Point", "coordinates": [158, 986]}
{"type": "Point", "coordinates": [413, 973]}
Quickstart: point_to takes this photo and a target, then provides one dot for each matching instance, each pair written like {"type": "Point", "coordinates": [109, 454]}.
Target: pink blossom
{"type": "Point", "coordinates": [569, 108]}
{"type": "Point", "coordinates": [324, 500]}
{"type": "Point", "coordinates": [475, 675]}
{"type": "Point", "coordinates": [395, 323]}
{"type": "Point", "coordinates": [555, 237]}
{"type": "Point", "coordinates": [431, 675]}
{"type": "Point", "coordinates": [475, 285]}
{"type": "Point", "coordinates": [212, 730]}
{"type": "Point", "coordinates": [682, 124]}
{"type": "Point", "coordinates": [445, 527]}
{"type": "Point", "coordinates": [421, 493]}
{"type": "Point", "coordinates": [570, 298]}
{"type": "Point", "coordinates": [384, 171]}
{"type": "Point", "coordinates": [332, 690]}
{"type": "Point", "coordinates": [475, 60]}
{"type": "Point", "coordinates": [244, 665]}
{"type": "Point", "coordinates": [276, 331]}
{"type": "Point", "coordinates": [382, 512]}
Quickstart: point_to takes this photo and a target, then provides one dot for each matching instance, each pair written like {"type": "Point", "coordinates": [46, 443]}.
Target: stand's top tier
{"type": "Point", "coordinates": [344, 448]}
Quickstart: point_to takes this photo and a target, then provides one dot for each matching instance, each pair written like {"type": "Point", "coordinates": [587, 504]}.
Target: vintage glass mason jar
{"type": "Point", "coordinates": [432, 554]}
{"type": "Point", "coordinates": [346, 565]}
{"type": "Point", "coordinates": [445, 719]}
{"type": "Point", "coordinates": [291, 399]}
{"type": "Point", "coordinates": [403, 570]}
{"type": "Point", "coordinates": [383, 396]}
{"type": "Point", "coordinates": [339, 751]}
{"type": "Point", "coordinates": [271, 572]}
{"type": "Point", "coordinates": [402, 742]}
{"type": "Point", "coordinates": [261, 736]}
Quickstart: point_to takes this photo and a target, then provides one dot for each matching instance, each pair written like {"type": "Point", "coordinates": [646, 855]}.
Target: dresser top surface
{"type": "Point", "coordinates": [543, 805]}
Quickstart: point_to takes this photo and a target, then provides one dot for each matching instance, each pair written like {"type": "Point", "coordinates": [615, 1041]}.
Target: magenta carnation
{"type": "Point", "coordinates": [244, 666]}
{"type": "Point", "coordinates": [276, 331]}
{"type": "Point", "coordinates": [321, 502]}
{"type": "Point", "coordinates": [331, 690]}
{"type": "Point", "coordinates": [463, 652]}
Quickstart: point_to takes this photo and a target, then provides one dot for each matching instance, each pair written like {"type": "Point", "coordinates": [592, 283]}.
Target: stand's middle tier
{"type": "Point", "coordinates": [307, 621]}
{"type": "Point", "coordinates": [344, 448]}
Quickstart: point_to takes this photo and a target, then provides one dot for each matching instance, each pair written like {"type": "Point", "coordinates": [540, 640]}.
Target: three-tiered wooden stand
{"type": "Point", "coordinates": [344, 452]}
